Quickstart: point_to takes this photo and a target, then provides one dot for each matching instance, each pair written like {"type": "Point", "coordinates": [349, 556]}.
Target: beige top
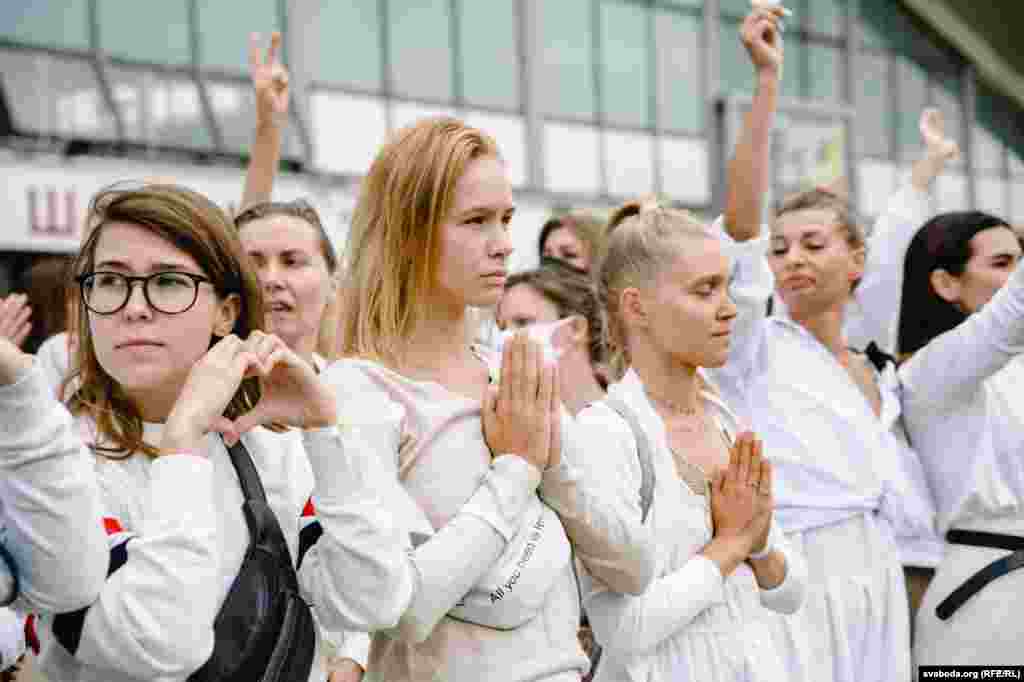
{"type": "Point", "coordinates": [436, 464]}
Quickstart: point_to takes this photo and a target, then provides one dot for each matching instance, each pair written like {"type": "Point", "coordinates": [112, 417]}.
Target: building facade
{"type": "Point", "coordinates": [592, 101]}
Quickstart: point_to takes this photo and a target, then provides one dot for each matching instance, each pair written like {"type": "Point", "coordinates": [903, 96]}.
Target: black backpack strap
{"type": "Point", "coordinates": [643, 450]}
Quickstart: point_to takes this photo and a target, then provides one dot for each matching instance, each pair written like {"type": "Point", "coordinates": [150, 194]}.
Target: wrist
{"type": "Point", "coordinates": [16, 370]}
{"type": "Point", "coordinates": [268, 124]}
{"type": "Point", "coordinates": [768, 78]}
{"type": "Point", "coordinates": [761, 554]}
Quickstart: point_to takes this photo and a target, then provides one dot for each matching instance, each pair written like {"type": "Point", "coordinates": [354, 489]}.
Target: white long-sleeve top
{"type": "Point", "coordinates": [833, 457]}
{"type": "Point", "coordinates": [434, 464]}
{"type": "Point", "coordinates": [965, 415]}
{"type": "Point", "coordinates": [178, 519]}
{"type": "Point", "coordinates": [873, 313]}
{"type": "Point", "coordinates": [49, 501]}
{"type": "Point", "coordinates": [689, 624]}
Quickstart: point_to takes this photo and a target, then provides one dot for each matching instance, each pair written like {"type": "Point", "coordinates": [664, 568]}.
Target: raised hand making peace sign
{"type": "Point", "coordinates": [269, 80]}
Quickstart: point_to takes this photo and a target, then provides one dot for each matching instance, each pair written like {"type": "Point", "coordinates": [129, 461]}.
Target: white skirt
{"type": "Point", "coordinates": [854, 625]}
{"type": "Point", "coordinates": [988, 629]}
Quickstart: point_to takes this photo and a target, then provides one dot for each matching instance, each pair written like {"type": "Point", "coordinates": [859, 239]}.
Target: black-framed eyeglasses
{"type": "Point", "coordinates": [171, 293]}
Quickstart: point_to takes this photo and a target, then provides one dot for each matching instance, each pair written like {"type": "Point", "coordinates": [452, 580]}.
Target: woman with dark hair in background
{"type": "Point", "coordinates": [961, 329]}
{"type": "Point", "coordinates": [541, 300]}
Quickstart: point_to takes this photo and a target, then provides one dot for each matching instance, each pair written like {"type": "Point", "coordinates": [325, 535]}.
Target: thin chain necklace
{"type": "Point", "coordinates": [673, 406]}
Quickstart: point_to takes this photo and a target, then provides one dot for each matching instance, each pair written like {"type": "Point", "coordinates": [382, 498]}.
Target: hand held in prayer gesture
{"type": "Point", "coordinates": [522, 417]}
{"type": "Point", "coordinates": [15, 322]}
{"type": "Point", "coordinates": [933, 132]}
{"type": "Point", "coordinates": [739, 508]}
{"type": "Point", "coordinates": [761, 34]}
{"type": "Point", "coordinates": [269, 80]}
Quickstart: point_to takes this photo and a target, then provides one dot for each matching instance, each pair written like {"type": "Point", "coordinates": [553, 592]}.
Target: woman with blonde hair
{"type": "Point", "coordinates": [722, 558]}
{"type": "Point", "coordinates": [462, 455]}
{"type": "Point", "coordinates": [173, 379]}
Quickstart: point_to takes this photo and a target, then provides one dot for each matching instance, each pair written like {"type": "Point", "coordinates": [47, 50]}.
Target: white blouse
{"type": "Point", "coordinates": [833, 457]}
{"type": "Point", "coordinates": [965, 414]}
{"type": "Point", "coordinates": [690, 624]}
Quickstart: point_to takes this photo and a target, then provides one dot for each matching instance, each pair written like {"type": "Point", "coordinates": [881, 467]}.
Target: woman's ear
{"type": "Point", "coordinates": [945, 285]}
{"type": "Point", "coordinates": [227, 314]}
{"type": "Point", "coordinates": [631, 303]}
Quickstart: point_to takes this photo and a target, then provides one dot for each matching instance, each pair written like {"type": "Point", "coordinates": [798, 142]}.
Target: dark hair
{"type": "Point", "coordinates": [572, 292]}
{"type": "Point", "coordinates": [194, 224]}
{"type": "Point", "coordinates": [944, 242]}
{"type": "Point", "coordinates": [46, 286]}
{"type": "Point", "coordinates": [300, 209]}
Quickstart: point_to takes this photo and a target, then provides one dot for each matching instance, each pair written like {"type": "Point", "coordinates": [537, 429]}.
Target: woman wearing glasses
{"type": "Point", "coordinates": [171, 360]}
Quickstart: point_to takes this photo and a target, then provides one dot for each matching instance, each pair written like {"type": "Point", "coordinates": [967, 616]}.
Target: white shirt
{"type": "Point", "coordinates": [181, 518]}
{"type": "Point", "coordinates": [49, 501]}
{"type": "Point", "coordinates": [690, 624]}
{"type": "Point", "coordinates": [965, 415]}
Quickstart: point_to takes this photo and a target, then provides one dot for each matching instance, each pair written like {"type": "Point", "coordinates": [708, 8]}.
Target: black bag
{"type": "Point", "coordinates": [264, 631]}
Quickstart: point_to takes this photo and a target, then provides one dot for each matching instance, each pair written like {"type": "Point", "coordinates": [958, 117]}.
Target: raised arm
{"type": "Point", "coordinates": [752, 281]}
{"type": "Point", "coordinates": [270, 84]}
{"type": "Point", "coordinates": [749, 167]}
{"type": "Point", "coordinates": [15, 318]}
{"type": "Point", "coordinates": [953, 365]}
{"type": "Point", "coordinates": [50, 500]}
{"type": "Point", "coordinates": [878, 294]}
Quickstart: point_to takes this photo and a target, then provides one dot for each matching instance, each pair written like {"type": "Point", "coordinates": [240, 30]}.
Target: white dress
{"type": "Point", "coordinates": [842, 491]}
{"type": "Point", "coordinates": [965, 416]}
{"type": "Point", "coordinates": [690, 624]}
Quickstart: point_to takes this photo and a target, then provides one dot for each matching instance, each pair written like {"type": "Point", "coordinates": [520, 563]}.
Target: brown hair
{"type": "Point", "coordinates": [300, 209]}
{"type": "Point", "coordinates": [572, 293]}
{"type": "Point", "coordinates": [588, 227]}
{"type": "Point", "coordinates": [47, 289]}
{"type": "Point", "coordinates": [821, 199]}
{"type": "Point", "coordinates": [392, 249]}
{"type": "Point", "coordinates": [192, 223]}
{"type": "Point", "coordinates": [643, 238]}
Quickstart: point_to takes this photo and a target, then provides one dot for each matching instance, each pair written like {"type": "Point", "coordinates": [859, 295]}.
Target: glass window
{"type": "Point", "coordinates": [332, 33]}
{"type": "Point", "coordinates": [874, 105]}
{"type": "Point", "coordinates": [734, 8]}
{"type": "Point", "coordinates": [55, 96]}
{"type": "Point", "coordinates": [988, 152]}
{"type": "Point", "coordinates": [565, 60]}
{"type": "Point", "coordinates": [825, 16]}
{"type": "Point", "coordinates": [630, 163]}
{"type": "Point", "coordinates": [951, 192]}
{"type": "Point", "coordinates": [825, 66]}
{"type": "Point", "coordinates": [155, 31]}
{"type": "Point", "coordinates": [946, 96]}
{"type": "Point", "coordinates": [876, 181]}
{"type": "Point", "coordinates": [420, 48]}
{"type": "Point", "coordinates": [407, 113]}
{"type": "Point", "coordinates": [1016, 160]}
{"type": "Point", "coordinates": [625, 65]}
{"type": "Point", "coordinates": [912, 94]}
{"type": "Point", "coordinates": [53, 24]}
{"type": "Point", "coordinates": [684, 3]}
{"type": "Point", "coordinates": [735, 71]}
{"type": "Point", "coordinates": [335, 148]}
{"type": "Point", "coordinates": [684, 170]}
{"type": "Point", "coordinates": [571, 161]}
{"type": "Point", "coordinates": [158, 109]}
{"type": "Point", "coordinates": [991, 195]}
{"type": "Point", "coordinates": [1017, 202]}
{"type": "Point", "coordinates": [678, 48]}
{"type": "Point", "coordinates": [234, 107]}
{"type": "Point", "coordinates": [510, 133]}
{"type": "Point", "coordinates": [490, 53]}
{"type": "Point", "coordinates": [223, 43]}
